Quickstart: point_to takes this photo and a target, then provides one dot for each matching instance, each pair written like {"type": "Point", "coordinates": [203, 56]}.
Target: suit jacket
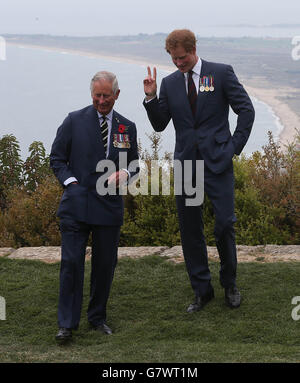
{"type": "Point", "coordinates": [75, 152]}
{"type": "Point", "coordinates": [208, 132]}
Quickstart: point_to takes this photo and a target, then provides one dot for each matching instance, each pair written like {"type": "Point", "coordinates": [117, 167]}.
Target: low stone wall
{"type": "Point", "coordinates": [263, 253]}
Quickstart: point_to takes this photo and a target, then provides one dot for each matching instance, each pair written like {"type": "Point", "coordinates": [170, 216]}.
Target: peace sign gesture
{"type": "Point", "coordinates": [150, 86]}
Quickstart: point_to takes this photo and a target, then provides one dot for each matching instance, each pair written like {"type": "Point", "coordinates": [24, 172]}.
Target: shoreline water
{"type": "Point", "coordinates": [285, 118]}
{"type": "Point", "coordinates": [280, 127]}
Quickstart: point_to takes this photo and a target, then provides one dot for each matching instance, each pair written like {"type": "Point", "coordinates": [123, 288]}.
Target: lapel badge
{"type": "Point", "coordinates": [122, 128]}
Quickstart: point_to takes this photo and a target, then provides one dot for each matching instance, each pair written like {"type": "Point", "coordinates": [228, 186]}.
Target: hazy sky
{"type": "Point", "coordinates": [121, 17]}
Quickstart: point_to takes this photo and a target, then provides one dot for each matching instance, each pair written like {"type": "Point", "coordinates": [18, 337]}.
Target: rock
{"type": "Point", "coordinates": [48, 254]}
{"type": "Point", "coordinates": [261, 253]}
{"type": "Point", "coordinates": [4, 251]}
{"type": "Point", "coordinates": [52, 254]}
{"type": "Point", "coordinates": [173, 252]}
{"type": "Point", "coordinates": [141, 251]}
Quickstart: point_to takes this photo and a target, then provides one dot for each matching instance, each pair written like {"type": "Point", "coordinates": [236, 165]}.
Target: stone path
{"type": "Point", "coordinates": [263, 254]}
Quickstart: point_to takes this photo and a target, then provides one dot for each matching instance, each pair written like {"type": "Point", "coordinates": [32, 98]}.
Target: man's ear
{"type": "Point", "coordinates": [117, 94]}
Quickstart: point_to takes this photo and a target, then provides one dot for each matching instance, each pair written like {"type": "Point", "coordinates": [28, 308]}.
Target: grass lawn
{"type": "Point", "coordinates": [147, 312]}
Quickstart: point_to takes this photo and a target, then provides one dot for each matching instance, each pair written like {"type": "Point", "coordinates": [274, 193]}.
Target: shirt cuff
{"type": "Point", "coordinates": [127, 171]}
{"type": "Point", "coordinates": [69, 180]}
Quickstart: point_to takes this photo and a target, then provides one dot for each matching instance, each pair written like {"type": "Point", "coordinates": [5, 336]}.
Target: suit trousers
{"type": "Point", "coordinates": [219, 188]}
{"type": "Point", "coordinates": [74, 236]}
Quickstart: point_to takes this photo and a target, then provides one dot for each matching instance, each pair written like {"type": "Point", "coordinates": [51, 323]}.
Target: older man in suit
{"type": "Point", "coordinates": [197, 98]}
{"type": "Point", "coordinates": [85, 139]}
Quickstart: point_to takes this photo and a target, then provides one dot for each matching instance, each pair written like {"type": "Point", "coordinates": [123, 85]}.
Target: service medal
{"type": "Point", "coordinates": [211, 88]}
{"type": "Point", "coordinates": [121, 141]}
{"type": "Point", "coordinates": [206, 84]}
{"type": "Point", "coordinates": [201, 85]}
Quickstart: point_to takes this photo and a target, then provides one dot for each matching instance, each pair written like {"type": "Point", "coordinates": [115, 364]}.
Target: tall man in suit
{"type": "Point", "coordinates": [197, 98]}
{"type": "Point", "coordinates": [85, 139]}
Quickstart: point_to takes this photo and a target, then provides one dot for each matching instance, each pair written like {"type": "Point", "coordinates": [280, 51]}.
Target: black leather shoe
{"type": "Point", "coordinates": [233, 297]}
{"type": "Point", "coordinates": [64, 334]}
{"type": "Point", "coordinates": [103, 328]}
{"type": "Point", "coordinates": [200, 302]}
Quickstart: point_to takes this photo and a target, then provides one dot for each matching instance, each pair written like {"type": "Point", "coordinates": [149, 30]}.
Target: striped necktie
{"type": "Point", "coordinates": [104, 132]}
{"type": "Point", "coordinates": [192, 93]}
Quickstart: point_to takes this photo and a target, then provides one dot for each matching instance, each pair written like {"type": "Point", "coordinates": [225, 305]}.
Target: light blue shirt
{"type": "Point", "coordinates": [109, 124]}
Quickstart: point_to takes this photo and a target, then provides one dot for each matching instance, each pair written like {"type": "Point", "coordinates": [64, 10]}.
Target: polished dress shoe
{"type": "Point", "coordinates": [103, 328]}
{"type": "Point", "coordinates": [200, 302]}
{"type": "Point", "coordinates": [64, 334]}
{"type": "Point", "coordinates": [232, 297]}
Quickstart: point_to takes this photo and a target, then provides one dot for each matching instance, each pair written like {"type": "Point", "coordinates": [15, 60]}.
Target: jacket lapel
{"type": "Point", "coordinates": [92, 128]}
{"type": "Point", "coordinates": [182, 93]}
{"type": "Point", "coordinates": [113, 152]}
{"type": "Point", "coordinates": [202, 95]}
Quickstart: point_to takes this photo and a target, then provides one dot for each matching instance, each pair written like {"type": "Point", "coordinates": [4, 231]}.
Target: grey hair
{"type": "Point", "coordinates": [106, 76]}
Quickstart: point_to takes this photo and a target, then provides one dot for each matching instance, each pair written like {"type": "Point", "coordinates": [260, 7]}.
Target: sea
{"type": "Point", "coordinates": [39, 87]}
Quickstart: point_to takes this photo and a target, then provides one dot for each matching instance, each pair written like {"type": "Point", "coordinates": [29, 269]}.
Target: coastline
{"type": "Point", "coordinates": [118, 59]}
{"type": "Point", "coordinates": [286, 119]}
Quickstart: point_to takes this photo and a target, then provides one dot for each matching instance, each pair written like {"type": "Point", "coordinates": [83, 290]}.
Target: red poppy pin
{"type": "Point", "coordinates": [122, 128]}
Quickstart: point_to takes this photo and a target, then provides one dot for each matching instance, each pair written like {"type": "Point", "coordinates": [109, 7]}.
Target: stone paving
{"type": "Point", "coordinates": [262, 253]}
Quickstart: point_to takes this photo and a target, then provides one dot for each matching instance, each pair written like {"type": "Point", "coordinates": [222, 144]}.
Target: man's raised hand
{"type": "Point", "coordinates": [150, 86]}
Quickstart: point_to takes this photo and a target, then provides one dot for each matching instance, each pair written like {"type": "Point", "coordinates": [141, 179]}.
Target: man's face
{"type": "Point", "coordinates": [103, 96]}
{"type": "Point", "coordinates": [184, 60]}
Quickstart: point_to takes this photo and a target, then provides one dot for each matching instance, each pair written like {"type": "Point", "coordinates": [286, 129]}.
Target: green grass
{"type": "Point", "coordinates": [146, 310]}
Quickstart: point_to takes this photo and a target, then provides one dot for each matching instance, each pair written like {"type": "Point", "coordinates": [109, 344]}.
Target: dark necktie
{"type": "Point", "coordinates": [104, 132]}
{"type": "Point", "coordinates": [192, 93]}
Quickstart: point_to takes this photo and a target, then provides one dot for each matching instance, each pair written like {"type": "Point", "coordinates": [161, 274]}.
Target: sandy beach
{"type": "Point", "coordinates": [286, 117]}
{"type": "Point", "coordinates": [115, 58]}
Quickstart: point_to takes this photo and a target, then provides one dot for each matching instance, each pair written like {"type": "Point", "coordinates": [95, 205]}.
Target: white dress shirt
{"type": "Point", "coordinates": [196, 75]}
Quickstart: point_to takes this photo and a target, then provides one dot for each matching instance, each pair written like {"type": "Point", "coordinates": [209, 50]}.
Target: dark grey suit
{"type": "Point", "coordinates": [206, 137]}
{"type": "Point", "coordinates": [76, 151]}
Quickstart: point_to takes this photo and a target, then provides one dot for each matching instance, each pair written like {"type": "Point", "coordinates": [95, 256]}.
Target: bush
{"type": "Point", "coordinates": [267, 200]}
{"type": "Point", "coordinates": [30, 218]}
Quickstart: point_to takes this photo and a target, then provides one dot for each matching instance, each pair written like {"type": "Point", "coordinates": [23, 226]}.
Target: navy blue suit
{"type": "Point", "coordinates": [206, 136]}
{"type": "Point", "coordinates": [76, 151]}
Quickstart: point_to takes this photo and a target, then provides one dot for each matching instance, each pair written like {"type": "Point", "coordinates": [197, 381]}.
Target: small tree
{"type": "Point", "coordinates": [10, 166]}
{"type": "Point", "coordinates": [30, 218]}
{"type": "Point", "coordinates": [36, 166]}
